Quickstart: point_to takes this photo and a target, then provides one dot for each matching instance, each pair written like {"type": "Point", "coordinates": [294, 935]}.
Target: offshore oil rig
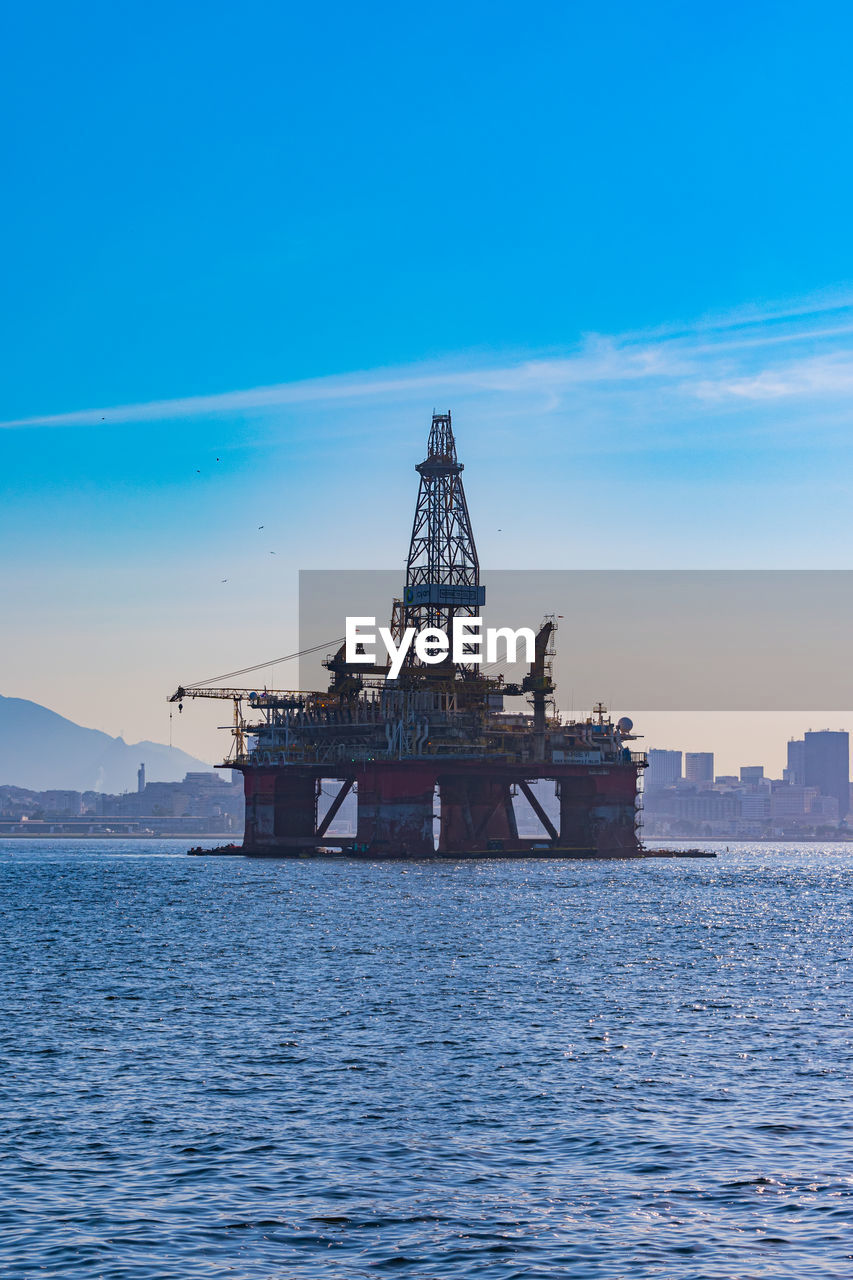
{"type": "Point", "coordinates": [432, 757]}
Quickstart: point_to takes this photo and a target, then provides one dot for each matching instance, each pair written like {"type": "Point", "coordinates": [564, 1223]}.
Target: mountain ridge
{"type": "Point", "coordinates": [43, 750]}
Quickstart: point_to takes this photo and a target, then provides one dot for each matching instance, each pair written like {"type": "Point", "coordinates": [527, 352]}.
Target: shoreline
{"type": "Point", "coordinates": [837, 839]}
{"type": "Point", "coordinates": [114, 835]}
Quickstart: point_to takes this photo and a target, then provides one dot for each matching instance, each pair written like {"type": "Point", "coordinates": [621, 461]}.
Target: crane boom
{"type": "Point", "coordinates": [235, 695]}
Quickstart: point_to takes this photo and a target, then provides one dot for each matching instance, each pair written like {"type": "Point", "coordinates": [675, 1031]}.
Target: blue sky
{"type": "Point", "coordinates": [613, 239]}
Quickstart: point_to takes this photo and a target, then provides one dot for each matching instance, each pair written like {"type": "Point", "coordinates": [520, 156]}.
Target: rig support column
{"type": "Point", "coordinates": [615, 814]}
{"type": "Point", "coordinates": [281, 809]}
{"type": "Point", "coordinates": [576, 826]}
{"type": "Point", "coordinates": [476, 811]}
{"type": "Point", "coordinates": [598, 813]}
{"type": "Point", "coordinates": [395, 810]}
{"type": "Point", "coordinates": [259, 792]}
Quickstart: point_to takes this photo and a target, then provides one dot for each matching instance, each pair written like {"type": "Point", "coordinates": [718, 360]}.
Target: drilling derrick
{"type": "Point", "coordinates": [436, 737]}
{"type": "Point", "coordinates": [442, 570]}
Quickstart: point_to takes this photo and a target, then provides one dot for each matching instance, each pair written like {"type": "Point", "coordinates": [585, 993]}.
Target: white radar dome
{"type": "Point", "coordinates": [625, 725]}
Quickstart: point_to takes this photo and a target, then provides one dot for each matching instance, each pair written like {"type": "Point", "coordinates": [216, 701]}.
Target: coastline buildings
{"type": "Point", "coordinates": [826, 758]}
{"type": "Point", "coordinates": [822, 759]}
{"type": "Point", "coordinates": [812, 799]}
{"type": "Point", "coordinates": [699, 766]}
{"type": "Point", "coordinates": [202, 804]}
{"type": "Point", "coordinates": [664, 768]}
{"type": "Point", "coordinates": [796, 770]}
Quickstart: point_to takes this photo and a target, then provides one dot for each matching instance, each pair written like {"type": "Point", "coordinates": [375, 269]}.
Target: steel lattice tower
{"type": "Point", "coordinates": [442, 571]}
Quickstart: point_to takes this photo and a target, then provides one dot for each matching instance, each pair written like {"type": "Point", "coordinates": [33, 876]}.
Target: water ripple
{"type": "Point", "coordinates": [266, 1070]}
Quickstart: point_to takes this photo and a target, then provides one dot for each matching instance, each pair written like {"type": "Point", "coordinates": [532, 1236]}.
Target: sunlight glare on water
{"type": "Point", "coordinates": [497, 1069]}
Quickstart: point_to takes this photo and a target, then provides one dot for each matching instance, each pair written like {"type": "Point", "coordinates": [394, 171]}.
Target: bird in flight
{"type": "Point", "coordinates": [224, 579]}
{"type": "Point", "coordinates": [260, 526]}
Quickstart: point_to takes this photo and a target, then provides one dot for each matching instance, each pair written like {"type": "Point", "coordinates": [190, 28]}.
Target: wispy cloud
{"type": "Point", "coordinates": [810, 376]}
{"type": "Point", "coordinates": [802, 350]}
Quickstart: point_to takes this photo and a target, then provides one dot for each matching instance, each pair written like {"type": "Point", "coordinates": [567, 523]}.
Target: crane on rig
{"type": "Point", "coordinates": [538, 682]}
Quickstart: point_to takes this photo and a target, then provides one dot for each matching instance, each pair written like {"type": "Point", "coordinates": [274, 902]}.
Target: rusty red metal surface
{"type": "Point", "coordinates": [397, 809]}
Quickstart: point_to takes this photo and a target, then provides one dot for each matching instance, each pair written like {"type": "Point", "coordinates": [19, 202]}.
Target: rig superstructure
{"type": "Point", "coordinates": [433, 747]}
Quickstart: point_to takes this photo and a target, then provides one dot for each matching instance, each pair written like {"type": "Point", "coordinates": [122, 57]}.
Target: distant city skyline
{"type": "Point", "coordinates": [807, 762]}
{"type": "Point", "coordinates": [684, 794]}
{"type": "Point", "coordinates": [736, 740]}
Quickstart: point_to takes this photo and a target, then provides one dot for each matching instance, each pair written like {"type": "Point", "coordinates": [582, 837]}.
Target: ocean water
{"type": "Point", "coordinates": [228, 1068]}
